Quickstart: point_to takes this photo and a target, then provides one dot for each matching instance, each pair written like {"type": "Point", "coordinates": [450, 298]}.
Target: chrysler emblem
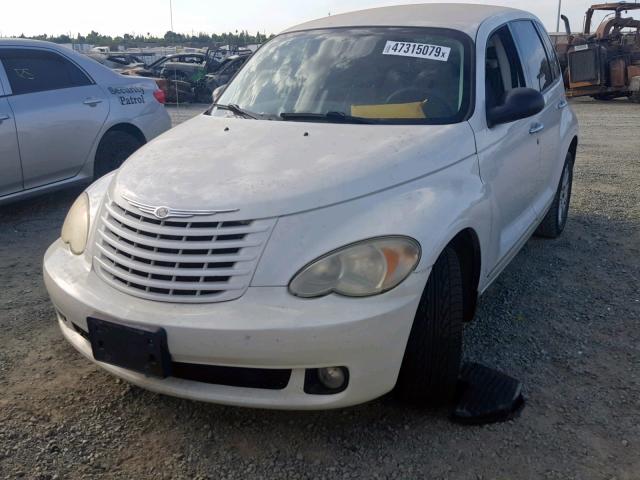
{"type": "Point", "coordinates": [163, 212]}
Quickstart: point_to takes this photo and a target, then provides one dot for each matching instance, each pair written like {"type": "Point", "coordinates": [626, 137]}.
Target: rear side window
{"type": "Point", "coordinates": [32, 71]}
{"type": "Point", "coordinates": [551, 51]}
{"type": "Point", "coordinates": [534, 55]}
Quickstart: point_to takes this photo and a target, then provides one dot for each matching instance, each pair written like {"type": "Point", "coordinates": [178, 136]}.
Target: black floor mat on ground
{"type": "Point", "coordinates": [486, 396]}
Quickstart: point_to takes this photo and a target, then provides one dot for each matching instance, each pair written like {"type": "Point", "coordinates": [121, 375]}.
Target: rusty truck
{"type": "Point", "coordinates": [604, 64]}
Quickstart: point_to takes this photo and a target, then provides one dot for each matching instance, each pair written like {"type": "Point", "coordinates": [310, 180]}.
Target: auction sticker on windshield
{"type": "Point", "coordinates": [417, 50]}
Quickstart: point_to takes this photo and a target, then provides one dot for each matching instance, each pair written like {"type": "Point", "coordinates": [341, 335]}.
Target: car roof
{"type": "Point", "coordinates": [96, 70]}
{"type": "Point", "coordinates": [26, 42]}
{"type": "Point", "coordinates": [458, 16]}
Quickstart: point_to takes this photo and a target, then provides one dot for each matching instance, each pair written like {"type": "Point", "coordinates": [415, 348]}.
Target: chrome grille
{"type": "Point", "coordinates": [186, 260]}
{"type": "Point", "coordinates": [583, 65]}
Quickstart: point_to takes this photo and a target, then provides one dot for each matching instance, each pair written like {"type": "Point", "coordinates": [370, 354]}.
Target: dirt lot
{"type": "Point", "coordinates": [563, 318]}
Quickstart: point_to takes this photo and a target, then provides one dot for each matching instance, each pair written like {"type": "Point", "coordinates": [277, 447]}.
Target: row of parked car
{"type": "Point", "coordinates": [187, 76]}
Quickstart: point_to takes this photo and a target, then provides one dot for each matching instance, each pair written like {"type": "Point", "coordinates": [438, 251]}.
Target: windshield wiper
{"type": "Point", "coordinates": [329, 116]}
{"type": "Point", "coordinates": [236, 110]}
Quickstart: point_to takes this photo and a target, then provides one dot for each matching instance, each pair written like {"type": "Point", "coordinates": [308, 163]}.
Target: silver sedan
{"type": "Point", "coordinates": [66, 119]}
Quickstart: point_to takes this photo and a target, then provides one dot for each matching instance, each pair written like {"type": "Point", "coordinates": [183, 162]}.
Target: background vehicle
{"type": "Point", "coordinates": [192, 82]}
{"type": "Point", "coordinates": [227, 69]}
{"type": "Point", "coordinates": [117, 61]}
{"type": "Point", "coordinates": [65, 118]}
{"type": "Point", "coordinates": [195, 72]}
{"type": "Point", "coordinates": [604, 64]}
{"type": "Point", "coordinates": [155, 69]}
{"type": "Point", "coordinates": [103, 50]}
{"type": "Point", "coordinates": [216, 56]}
{"type": "Point", "coordinates": [175, 89]}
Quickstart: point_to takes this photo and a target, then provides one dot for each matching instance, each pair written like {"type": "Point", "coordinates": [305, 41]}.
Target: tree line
{"type": "Point", "coordinates": [169, 39]}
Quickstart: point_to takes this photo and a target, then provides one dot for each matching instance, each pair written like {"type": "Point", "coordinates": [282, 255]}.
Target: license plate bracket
{"type": "Point", "coordinates": [141, 350]}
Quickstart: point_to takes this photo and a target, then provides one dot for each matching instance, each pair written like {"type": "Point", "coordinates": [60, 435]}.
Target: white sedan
{"type": "Point", "coordinates": [65, 118]}
{"type": "Point", "coordinates": [333, 217]}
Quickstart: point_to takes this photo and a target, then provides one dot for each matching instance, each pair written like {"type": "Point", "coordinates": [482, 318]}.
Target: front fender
{"type": "Point", "coordinates": [432, 210]}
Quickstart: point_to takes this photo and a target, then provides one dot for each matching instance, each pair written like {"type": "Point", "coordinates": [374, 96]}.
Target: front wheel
{"type": "Point", "coordinates": [556, 218]}
{"type": "Point", "coordinates": [431, 364]}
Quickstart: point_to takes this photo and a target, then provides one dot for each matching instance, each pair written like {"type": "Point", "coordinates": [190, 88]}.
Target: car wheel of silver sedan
{"type": "Point", "coordinates": [115, 147]}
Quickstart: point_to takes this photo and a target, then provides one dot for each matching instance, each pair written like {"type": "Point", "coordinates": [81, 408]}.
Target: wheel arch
{"type": "Point", "coordinates": [467, 246]}
{"type": "Point", "coordinates": [124, 127]}
{"type": "Point", "coordinates": [573, 147]}
{"type": "Point", "coordinates": [129, 128]}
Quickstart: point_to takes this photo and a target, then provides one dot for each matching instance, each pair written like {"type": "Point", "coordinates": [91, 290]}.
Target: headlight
{"type": "Point", "coordinates": [359, 270]}
{"type": "Point", "coordinates": [76, 226]}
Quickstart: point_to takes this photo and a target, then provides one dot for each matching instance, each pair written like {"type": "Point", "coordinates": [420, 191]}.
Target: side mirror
{"type": "Point", "coordinates": [217, 93]}
{"type": "Point", "coordinates": [518, 103]}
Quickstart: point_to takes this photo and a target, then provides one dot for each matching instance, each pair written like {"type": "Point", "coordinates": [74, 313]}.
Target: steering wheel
{"type": "Point", "coordinates": [435, 100]}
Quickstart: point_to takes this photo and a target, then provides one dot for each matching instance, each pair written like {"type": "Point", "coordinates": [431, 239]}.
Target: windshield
{"type": "Point", "coordinates": [386, 75]}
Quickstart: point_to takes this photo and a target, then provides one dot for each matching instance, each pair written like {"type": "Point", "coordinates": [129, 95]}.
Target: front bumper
{"type": "Point", "coordinates": [266, 328]}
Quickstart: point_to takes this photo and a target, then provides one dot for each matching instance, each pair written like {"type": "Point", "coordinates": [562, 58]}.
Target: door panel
{"type": "Point", "coordinates": [58, 113]}
{"type": "Point", "coordinates": [551, 156]}
{"type": "Point", "coordinates": [56, 131]}
{"type": "Point", "coordinates": [509, 165]}
{"type": "Point", "coordinates": [509, 154]}
{"type": "Point", "coordinates": [543, 74]}
{"type": "Point", "coordinates": [10, 171]}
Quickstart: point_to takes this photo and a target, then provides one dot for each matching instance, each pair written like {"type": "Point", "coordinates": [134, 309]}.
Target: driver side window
{"type": "Point", "coordinates": [503, 69]}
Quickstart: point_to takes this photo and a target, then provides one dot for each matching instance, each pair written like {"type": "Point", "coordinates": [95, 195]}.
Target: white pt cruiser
{"type": "Point", "coordinates": [322, 233]}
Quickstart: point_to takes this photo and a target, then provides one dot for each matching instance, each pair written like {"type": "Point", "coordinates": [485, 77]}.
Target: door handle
{"type": "Point", "coordinates": [563, 104]}
{"type": "Point", "coordinates": [536, 127]}
{"type": "Point", "coordinates": [3, 117]}
{"type": "Point", "coordinates": [92, 102]}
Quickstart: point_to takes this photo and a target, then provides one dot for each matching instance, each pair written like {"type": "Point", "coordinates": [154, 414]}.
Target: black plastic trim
{"type": "Point", "coordinates": [261, 378]}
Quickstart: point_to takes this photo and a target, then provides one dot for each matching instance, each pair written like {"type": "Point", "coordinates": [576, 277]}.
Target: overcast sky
{"type": "Point", "coordinates": [116, 17]}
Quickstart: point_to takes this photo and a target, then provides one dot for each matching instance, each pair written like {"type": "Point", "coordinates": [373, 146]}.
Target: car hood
{"type": "Point", "coordinates": [273, 168]}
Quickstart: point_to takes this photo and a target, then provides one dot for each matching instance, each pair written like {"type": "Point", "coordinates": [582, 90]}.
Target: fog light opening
{"type": "Point", "coordinates": [326, 380]}
{"type": "Point", "coordinates": [331, 377]}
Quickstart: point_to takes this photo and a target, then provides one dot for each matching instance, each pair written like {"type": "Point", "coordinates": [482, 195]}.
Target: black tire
{"type": "Point", "coordinates": [556, 218]}
{"type": "Point", "coordinates": [604, 97]}
{"type": "Point", "coordinates": [431, 364]}
{"type": "Point", "coordinates": [114, 148]}
{"type": "Point", "coordinates": [634, 97]}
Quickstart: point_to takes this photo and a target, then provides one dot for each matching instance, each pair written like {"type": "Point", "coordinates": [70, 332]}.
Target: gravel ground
{"type": "Point", "coordinates": [563, 318]}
